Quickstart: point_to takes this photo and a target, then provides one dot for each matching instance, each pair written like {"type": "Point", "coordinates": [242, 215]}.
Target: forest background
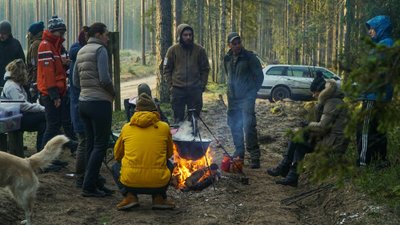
{"type": "Point", "coordinates": [314, 32]}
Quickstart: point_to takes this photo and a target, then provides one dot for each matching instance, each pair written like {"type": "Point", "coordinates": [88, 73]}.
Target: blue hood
{"type": "Point", "coordinates": [383, 28]}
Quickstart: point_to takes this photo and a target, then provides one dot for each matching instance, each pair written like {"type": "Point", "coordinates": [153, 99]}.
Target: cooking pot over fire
{"type": "Point", "coordinates": [191, 149]}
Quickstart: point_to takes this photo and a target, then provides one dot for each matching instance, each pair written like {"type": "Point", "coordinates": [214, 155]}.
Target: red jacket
{"type": "Point", "coordinates": [51, 75]}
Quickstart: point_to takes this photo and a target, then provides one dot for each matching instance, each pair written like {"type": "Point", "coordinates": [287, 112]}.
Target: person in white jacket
{"type": "Point", "coordinates": [33, 116]}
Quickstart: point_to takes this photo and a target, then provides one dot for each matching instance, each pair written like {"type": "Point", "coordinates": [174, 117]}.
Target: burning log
{"type": "Point", "coordinates": [201, 178]}
{"type": "Point", "coordinates": [197, 176]}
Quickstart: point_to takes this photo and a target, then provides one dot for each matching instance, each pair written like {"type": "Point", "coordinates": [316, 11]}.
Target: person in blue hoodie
{"type": "Point", "coordinates": [371, 142]}
{"type": "Point", "coordinates": [77, 123]}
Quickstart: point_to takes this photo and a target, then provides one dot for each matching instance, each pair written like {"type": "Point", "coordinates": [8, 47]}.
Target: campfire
{"type": "Point", "coordinates": [193, 167]}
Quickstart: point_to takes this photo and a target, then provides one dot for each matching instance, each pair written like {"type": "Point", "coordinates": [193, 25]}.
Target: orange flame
{"type": "Point", "coordinates": [184, 168]}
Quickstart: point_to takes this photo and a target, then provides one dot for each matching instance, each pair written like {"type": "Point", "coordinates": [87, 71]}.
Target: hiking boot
{"type": "Point", "coordinates": [162, 203]}
{"type": "Point", "coordinates": [106, 190]}
{"type": "Point", "coordinates": [280, 170]}
{"type": "Point", "coordinates": [255, 164]}
{"type": "Point", "coordinates": [291, 179]}
{"type": "Point", "coordinates": [128, 202]}
{"type": "Point", "coordinates": [51, 168]}
{"type": "Point", "coordinates": [96, 193]}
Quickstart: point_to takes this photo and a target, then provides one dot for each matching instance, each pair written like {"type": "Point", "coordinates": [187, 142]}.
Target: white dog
{"type": "Point", "coordinates": [19, 176]}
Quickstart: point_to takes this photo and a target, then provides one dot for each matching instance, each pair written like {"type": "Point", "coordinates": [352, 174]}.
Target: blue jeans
{"type": "Point", "coordinates": [96, 116]}
{"type": "Point", "coordinates": [116, 172]}
{"type": "Point", "coordinates": [242, 121]}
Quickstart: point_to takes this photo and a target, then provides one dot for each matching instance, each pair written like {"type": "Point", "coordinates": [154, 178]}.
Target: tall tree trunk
{"type": "Point", "coordinates": [348, 33]}
{"type": "Point", "coordinates": [122, 22]}
{"type": "Point", "coordinates": [164, 41]}
{"type": "Point", "coordinates": [37, 17]}
{"type": "Point", "coordinates": [67, 20]}
{"type": "Point", "coordinates": [47, 10]}
{"type": "Point", "coordinates": [241, 17]}
{"type": "Point", "coordinates": [221, 79]}
{"type": "Point", "coordinates": [177, 16]}
{"type": "Point", "coordinates": [200, 21]}
{"type": "Point", "coordinates": [53, 7]}
{"type": "Point", "coordinates": [153, 31]}
{"type": "Point", "coordinates": [211, 40]}
{"type": "Point", "coordinates": [217, 41]}
{"type": "Point", "coordinates": [143, 30]}
{"type": "Point", "coordinates": [116, 15]}
{"type": "Point", "coordinates": [233, 27]}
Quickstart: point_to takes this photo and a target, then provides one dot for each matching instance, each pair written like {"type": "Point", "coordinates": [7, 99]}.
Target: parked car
{"type": "Point", "coordinates": [290, 81]}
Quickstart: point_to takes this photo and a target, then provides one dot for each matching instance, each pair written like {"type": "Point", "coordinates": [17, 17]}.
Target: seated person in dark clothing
{"type": "Point", "coordinates": [33, 116]}
{"type": "Point", "coordinates": [142, 152]}
{"type": "Point", "coordinates": [130, 103]}
{"type": "Point", "coordinates": [326, 133]}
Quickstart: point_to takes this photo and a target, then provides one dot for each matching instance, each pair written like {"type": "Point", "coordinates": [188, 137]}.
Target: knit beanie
{"type": "Point", "coordinates": [145, 103]}
{"type": "Point", "coordinates": [56, 24]}
{"type": "Point", "coordinates": [144, 88]}
{"type": "Point", "coordinates": [36, 28]}
{"type": "Point", "coordinates": [5, 27]}
{"type": "Point", "coordinates": [318, 84]}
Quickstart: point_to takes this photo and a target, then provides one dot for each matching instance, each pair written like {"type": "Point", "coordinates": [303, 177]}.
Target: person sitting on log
{"type": "Point", "coordinates": [142, 152]}
{"type": "Point", "coordinates": [326, 133]}
{"type": "Point", "coordinates": [33, 116]}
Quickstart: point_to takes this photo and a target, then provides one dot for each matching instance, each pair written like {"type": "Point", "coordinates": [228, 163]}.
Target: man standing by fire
{"type": "Point", "coordinates": [186, 69]}
{"type": "Point", "coordinates": [245, 78]}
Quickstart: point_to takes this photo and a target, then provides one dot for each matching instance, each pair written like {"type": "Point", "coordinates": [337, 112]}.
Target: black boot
{"type": "Point", "coordinates": [281, 170]}
{"type": "Point", "coordinates": [291, 179]}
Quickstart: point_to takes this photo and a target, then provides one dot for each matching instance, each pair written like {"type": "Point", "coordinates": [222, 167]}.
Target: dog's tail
{"type": "Point", "coordinates": [51, 151]}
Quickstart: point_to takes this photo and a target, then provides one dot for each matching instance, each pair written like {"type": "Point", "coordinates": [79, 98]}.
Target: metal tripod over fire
{"type": "Point", "coordinates": [197, 148]}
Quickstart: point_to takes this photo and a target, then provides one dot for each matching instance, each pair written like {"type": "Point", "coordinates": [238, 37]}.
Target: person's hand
{"type": "Point", "coordinates": [65, 61]}
{"type": "Point", "coordinates": [57, 102]}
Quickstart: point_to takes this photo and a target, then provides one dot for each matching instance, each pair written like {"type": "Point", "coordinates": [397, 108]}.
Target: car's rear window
{"type": "Point", "coordinates": [277, 71]}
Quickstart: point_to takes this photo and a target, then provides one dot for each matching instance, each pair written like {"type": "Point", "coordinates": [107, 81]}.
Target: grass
{"type": "Point", "coordinates": [131, 65]}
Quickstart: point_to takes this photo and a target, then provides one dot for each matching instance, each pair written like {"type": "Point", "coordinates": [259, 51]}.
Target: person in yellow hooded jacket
{"type": "Point", "coordinates": [142, 152]}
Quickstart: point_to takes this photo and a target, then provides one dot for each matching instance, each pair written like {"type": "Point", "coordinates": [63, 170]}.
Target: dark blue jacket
{"type": "Point", "coordinates": [245, 76]}
{"type": "Point", "coordinates": [383, 29]}
{"type": "Point", "coordinates": [77, 122]}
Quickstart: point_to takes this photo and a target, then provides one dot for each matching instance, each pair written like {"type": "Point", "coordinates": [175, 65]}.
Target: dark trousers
{"type": "Point", "coordinates": [80, 163]}
{"type": "Point", "coordinates": [96, 116]}
{"type": "Point", "coordinates": [242, 122]}
{"type": "Point", "coordinates": [56, 118]}
{"type": "Point", "coordinates": [371, 143]}
{"type": "Point", "coordinates": [116, 171]}
{"type": "Point", "coordinates": [34, 122]}
{"type": "Point", "coordinates": [295, 152]}
{"type": "Point", "coordinates": [182, 98]}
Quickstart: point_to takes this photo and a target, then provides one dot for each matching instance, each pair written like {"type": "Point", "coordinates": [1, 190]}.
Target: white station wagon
{"type": "Point", "coordinates": [290, 81]}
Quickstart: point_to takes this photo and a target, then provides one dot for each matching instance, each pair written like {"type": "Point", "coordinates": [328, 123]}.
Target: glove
{"type": "Point", "coordinates": [303, 123]}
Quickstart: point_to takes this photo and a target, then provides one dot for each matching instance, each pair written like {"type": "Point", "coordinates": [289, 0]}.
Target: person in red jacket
{"type": "Point", "coordinates": [52, 81]}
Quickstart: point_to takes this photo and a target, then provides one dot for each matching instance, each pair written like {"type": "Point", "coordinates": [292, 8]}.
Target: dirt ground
{"type": "Point", "coordinates": [230, 202]}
